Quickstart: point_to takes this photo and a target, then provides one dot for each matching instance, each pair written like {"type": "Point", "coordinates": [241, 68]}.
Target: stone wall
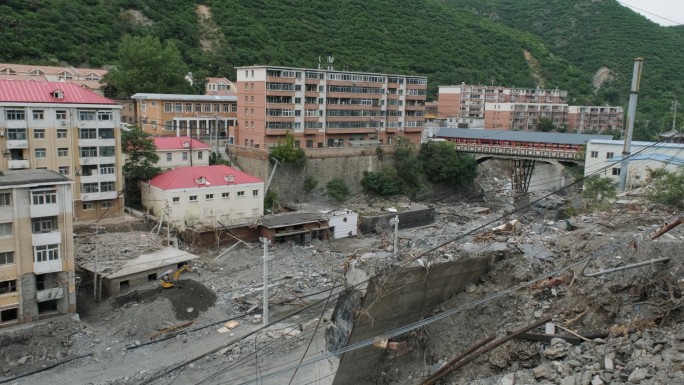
{"type": "Point", "coordinates": [407, 220]}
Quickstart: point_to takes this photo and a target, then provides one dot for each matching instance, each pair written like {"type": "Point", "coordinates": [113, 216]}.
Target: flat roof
{"type": "Point", "coordinates": [638, 143]}
{"type": "Point", "coordinates": [30, 176]}
{"type": "Point", "coordinates": [291, 219]}
{"type": "Point", "coordinates": [327, 70]}
{"type": "Point", "coordinates": [197, 98]}
{"type": "Point", "coordinates": [524, 136]}
{"type": "Point", "coordinates": [146, 262]}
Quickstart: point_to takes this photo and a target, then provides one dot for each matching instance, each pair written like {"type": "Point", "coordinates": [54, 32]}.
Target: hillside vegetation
{"type": "Point", "coordinates": [551, 43]}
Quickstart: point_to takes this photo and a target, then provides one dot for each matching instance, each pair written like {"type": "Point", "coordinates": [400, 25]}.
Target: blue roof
{"type": "Point", "coordinates": [521, 136]}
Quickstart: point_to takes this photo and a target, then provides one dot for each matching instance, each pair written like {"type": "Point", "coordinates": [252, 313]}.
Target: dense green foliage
{"type": "Point", "coordinates": [270, 199]}
{"type": "Point", "coordinates": [667, 188]}
{"type": "Point", "coordinates": [599, 191]}
{"type": "Point", "coordinates": [286, 152]}
{"type": "Point", "coordinates": [310, 183]}
{"type": "Point", "coordinates": [338, 190]}
{"type": "Point", "coordinates": [145, 65]}
{"type": "Point", "coordinates": [442, 164]}
{"type": "Point", "coordinates": [551, 43]}
{"type": "Point", "coordinates": [217, 158]}
{"type": "Point", "coordinates": [385, 181]}
{"type": "Point", "coordinates": [140, 148]}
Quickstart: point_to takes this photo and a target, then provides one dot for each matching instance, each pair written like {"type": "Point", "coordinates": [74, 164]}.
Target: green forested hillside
{"type": "Point", "coordinates": [450, 41]}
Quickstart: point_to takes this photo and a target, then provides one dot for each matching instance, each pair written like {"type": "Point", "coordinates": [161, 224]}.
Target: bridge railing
{"type": "Point", "coordinates": [519, 151]}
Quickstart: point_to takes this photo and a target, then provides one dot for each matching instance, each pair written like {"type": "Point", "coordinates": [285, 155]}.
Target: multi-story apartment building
{"type": "Point", "coordinates": [327, 108]}
{"type": "Point", "coordinates": [67, 129]}
{"type": "Point", "coordinates": [595, 118]}
{"type": "Point", "coordinates": [523, 116]}
{"type": "Point", "coordinates": [36, 246]}
{"type": "Point", "coordinates": [185, 115]}
{"type": "Point", "coordinates": [85, 77]}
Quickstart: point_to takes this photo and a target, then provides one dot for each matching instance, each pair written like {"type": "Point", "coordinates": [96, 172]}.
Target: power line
{"type": "Point", "coordinates": [676, 23]}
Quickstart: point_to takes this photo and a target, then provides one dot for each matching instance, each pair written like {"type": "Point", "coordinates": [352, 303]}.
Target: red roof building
{"type": "Point", "coordinates": [178, 143]}
{"type": "Point", "coordinates": [28, 91]}
{"type": "Point", "coordinates": [202, 176]}
{"type": "Point", "coordinates": [181, 151]}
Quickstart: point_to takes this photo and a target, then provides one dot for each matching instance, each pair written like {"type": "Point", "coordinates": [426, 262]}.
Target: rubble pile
{"type": "Point", "coordinates": [115, 246]}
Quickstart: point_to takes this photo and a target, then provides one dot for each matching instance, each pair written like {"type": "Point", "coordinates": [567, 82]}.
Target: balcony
{"type": "Point", "coordinates": [17, 143]}
{"type": "Point", "coordinates": [95, 177]}
{"type": "Point", "coordinates": [88, 160]}
{"type": "Point", "coordinates": [45, 267]}
{"type": "Point", "coordinates": [16, 164]}
{"type": "Point", "coordinates": [96, 142]}
{"type": "Point", "coordinates": [46, 210]}
{"type": "Point", "coordinates": [46, 238]}
{"type": "Point", "coordinates": [99, 196]}
{"type": "Point", "coordinates": [49, 294]}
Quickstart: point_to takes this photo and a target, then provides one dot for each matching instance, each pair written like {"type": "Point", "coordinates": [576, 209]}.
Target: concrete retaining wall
{"type": "Point", "coordinates": [407, 220]}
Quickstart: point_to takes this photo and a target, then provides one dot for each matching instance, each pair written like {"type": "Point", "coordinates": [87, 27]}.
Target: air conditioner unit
{"type": "Point", "coordinates": [5, 152]}
{"type": "Point", "coordinates": [77, 172]}
{"type": "Point", "coordinates": [64, 122]}
{"type": "Point", "coordinates": [2, 134]}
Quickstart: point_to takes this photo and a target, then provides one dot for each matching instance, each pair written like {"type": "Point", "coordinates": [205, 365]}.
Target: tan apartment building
{"type": "Point", "coordinates": [326, 107]}
{"type": "Point", "coordinates": [523, 116]}
{"type": "Point", "coordinates": [185, 115]}
{"type": "Point", "coordinates": [84, 77]}
{"type": "Point", "coordinates": [70, 130]}
{"type": "Point", "coordinates": [36, 246]}
{"type": "Point", "coordinates": [595, 118]}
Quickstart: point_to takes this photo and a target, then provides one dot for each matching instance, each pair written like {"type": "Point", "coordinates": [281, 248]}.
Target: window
{"type": "Point", "coordinates": [43, 197]}
{"type": "Point", "coordinates": [616, 171]}
{"type": "Point", "coordinates": [105, 115]}
{"type": "Point", "coordinates": [9, 315]}
{"type": "Point", "coordinates": [61, 134]}
{"type": "Point", "coordinates": [198, 107]}
{"type": "Point", "coordinates": [241, 194]}
{"type": "Point", "coordinates": [88, 205]}
{"type": "Point", "coordinates": [87, 188]}
{"type": "Point", "coordinates": [5, 229]}
{"type": "Point", "coordinates": [255, 193]}
{"type": "Point", "coordinates": [594, 154]}
{"type": "Point", "coordinates": [61, 114]}
{"type": "Point", "coordinates": [5, 199]}
{"type": "Point", "coordinates": [64, 170]}
{"type": "Point", "coordinates": [106, 133]}
{"type": "Point", "coordinates": [175, 199]}
{"type": "Point", "coordinates": [107, 151]}
{"type": "Point", "coordinates": [46, 253]}
{"type": "Point", "coordinates": [8, 287]}
{"type": "Point", "coordinates": [86, 115]}
{"type": "Point", "coordinates": [44, 225]}
{"type": "Point", "coordinates": [168, 107]}
{"type": "Point", "coordinates": [609, 155]}
{"type": "Point", "coordinates": [199, 154]}
{"type": "Point", "coordinates": [188, 107]}
{"type": "Point", "coordinates": [168, 156]}
{"type": "Point", "coordinates": [209, 197]}
{"type": "Point", "coordinates": [185, 156]}
{"type": "Point", "coordinates": [16, 134]}
{"type": "Point", "coordinates": [107, 204]}
{"type": "Point", "coordinates": [106, 169]}
{"type": "Point", "coordinates": [38, 115]}
{"type": "Point", "coordinates": [87, 133]}
{"type": "Point", "coordinates": [40, 153]}
{"type": "Point", "coordinates": [88, 152]}
{"type": "Point", "coordinates": [309, 144]}
{"type": "Point", "coordinates": [153, 103]}
{"type": "Point", "coordinates": [107, 186]}
{"type": "Point", "coordinates": [193, 198]}
{"type": "Point", "coordinates": [15, 115]}
{"type": "Point", "coordinates": [62, 152]}
{"type": "Point", "coordinates": [39, 134]}
{"type": "Point", "coordinates": [6, 257]}
{"type": "Point", "coordinates": [179, 107]}
{"type": "Point", "coordinates": [207, 107]}
{"type": "Point", "coordinates": [225, 195]}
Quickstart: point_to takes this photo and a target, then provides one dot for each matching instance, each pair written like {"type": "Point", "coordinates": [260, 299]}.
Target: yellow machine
{"type": "Point", "coordinates": [169, 280]}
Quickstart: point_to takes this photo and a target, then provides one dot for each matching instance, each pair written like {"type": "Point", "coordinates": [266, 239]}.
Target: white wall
{"type": "Point", "coordinates": [228, 210]}
{"type": "Point", "coordinates": [343, 223]}
{"type": "Point", "coordinates": [177, 158]}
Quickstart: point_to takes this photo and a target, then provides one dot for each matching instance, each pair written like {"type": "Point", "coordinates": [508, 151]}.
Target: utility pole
{"type": "Point", "coordinates": [264, 317]}
{"type": "Point", "coordinates": [675, 104]}
{"type": "Point", "coordinates": [95, 269]}
{"type": "Point", "coordinates": [395, 222]}
{"type": "Point", "coordinates": [631, 113]}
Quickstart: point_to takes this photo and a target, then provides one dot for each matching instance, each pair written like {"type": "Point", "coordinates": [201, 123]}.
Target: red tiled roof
{"type": "Point", "coordinates": [176, 143]}
{"type": "Point", "coordinates": [24, 91]}
{"type": "Point", "coordinates": [187, 177]}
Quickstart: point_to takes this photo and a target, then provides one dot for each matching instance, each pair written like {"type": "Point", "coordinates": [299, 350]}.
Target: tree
{"type": "Point", "coordinates": [598, 191]}
{"type": "Point", "coordinates": [145, 65]}
{"type": "Point", "coordinates": [142, 157]}
{"type": "Point", "coordinates": [667, 188]}
{"type": "Point", "coordinates": [442, 164]}
{"type": "Point", "coordinates": [338, 189]}
{"type": "Point", "coordinates": [383, 182]}
{"type": "Point", "coordinates": [286, 152]}
{"type": "Point", "coordinates": [545, 125]}
{"type": "Point", "coordinates": [407, 165]}
{"type": "Point", "coordinates": [217, 158]}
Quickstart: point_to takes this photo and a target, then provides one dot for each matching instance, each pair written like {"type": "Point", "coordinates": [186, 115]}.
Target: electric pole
{"type": "Point", "coordinates": [95, 269]}
{"type": "Point", "coordinates": [631, 113]}
{"type": "Point", "coordinates": [395, 222]}
{"type": "Point", "coordinates": [675, 104]}
{"type": "Point", "coordinates": [264, 317]}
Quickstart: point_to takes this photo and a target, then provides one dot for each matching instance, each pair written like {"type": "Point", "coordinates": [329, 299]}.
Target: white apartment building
{"type": "Point", "coordinates": [70, 130]}
{"type": "Point", "coordinates": [36, 246]}
{"type": "Point", "coordinates": [193, 197]}
{"type": "Point", "coordinates": [604, 157]}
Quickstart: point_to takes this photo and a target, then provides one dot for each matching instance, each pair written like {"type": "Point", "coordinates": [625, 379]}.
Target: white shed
{"type": "Point", "coordinates": [342, 223]}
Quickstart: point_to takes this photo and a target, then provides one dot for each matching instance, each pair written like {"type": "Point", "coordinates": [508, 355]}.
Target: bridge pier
{"type": "Point", "coordinates": [521, 174]}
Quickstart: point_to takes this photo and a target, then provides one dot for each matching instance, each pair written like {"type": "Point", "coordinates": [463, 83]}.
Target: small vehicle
{"type": "Point", "coordinates": [168, 280]}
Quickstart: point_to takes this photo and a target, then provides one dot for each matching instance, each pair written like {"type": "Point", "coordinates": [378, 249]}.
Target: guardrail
{"type": "Point", "coordinates": [519, 151]}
